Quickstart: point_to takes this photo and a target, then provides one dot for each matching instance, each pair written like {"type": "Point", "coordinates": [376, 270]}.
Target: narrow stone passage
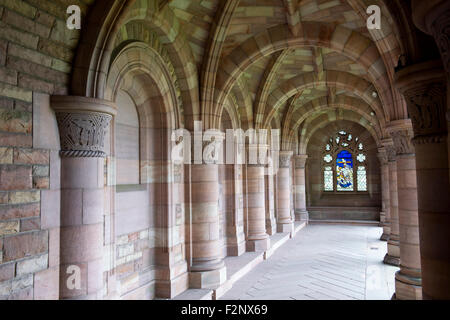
{"type": "Point", "coordinates": [326, 262]}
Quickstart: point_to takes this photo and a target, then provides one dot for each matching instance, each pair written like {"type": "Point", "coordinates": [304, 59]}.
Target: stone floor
{"type": "Point", "coordinates": [325, 262]}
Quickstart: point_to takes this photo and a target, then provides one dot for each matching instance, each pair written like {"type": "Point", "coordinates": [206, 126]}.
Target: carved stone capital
{"type": "Point", "coordinates": [382, 156]}
{"type": "Point", "coordinates": [82, 124]}
{"type": "Point", "coordinates": [402, 133]}
{"type": "Point", "coordinates": [300, 161]}
{"type": "Point", "coordinates": [424, 88]}
{"type": "Point", "coordinates": [285, 159]}
{"type": "Point", "coordinates": [388, 144]}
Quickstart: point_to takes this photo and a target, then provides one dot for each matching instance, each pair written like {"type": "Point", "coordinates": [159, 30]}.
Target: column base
{"type": "Point", "coordinates": [393, 261]}
{"type": "Point", "coordinates": [407, 288]}
{"type": "Point", "coordinates": [258, 245]}
{"type": "Point", "coordinates": [285, 227]}
{"type": "Point", "coordinates": [301, 215]}
{"type": "Point", "coordinates": [235, 250]}
{"type": "Point", "coordinates": [271, 227]}
{"type": "Point", "coordinates": [208, 279]}
{"type": "Point", "coordinates": [384, 237]}
{"type": "Point", "coordinates": [171, 280]}
{"type": "Point", "coordinates": [169, 289]}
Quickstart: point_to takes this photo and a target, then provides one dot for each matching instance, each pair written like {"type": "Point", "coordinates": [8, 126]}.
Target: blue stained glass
{"type": "Point", "coordinates": [344, 171]}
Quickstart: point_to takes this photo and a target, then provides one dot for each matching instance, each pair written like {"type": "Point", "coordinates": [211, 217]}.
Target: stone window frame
{"type": "Point", "coordinates": [353, 149]}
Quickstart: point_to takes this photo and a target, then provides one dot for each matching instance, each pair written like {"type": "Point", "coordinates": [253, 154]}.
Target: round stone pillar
{"type": "Point", "coordinates": [257, 237]}
{"type": "Point", "coordinates": [393, 255]}
{"type": "Point", "coordinates": [82, 124]}
{"type": "Point", "coordinates": [385, 198]}
{"type": "Point", "coordinates": [284, 219]}
{"type": "Point", "coordinates": [424, 88]}
{"type": "Point", "coordinates": [207, 269]}
{"type": "Point", "coordinates": [408, 282]}
{"type": "Point", "coordinates": [301, 214]}
{"type": "Point", "coordinates": [269, 178]}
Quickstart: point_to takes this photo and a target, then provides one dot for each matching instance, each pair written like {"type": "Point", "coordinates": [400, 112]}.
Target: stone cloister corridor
{"type": "Point", "coordinates": [323, 262]}
{"type": "Point", "coordinates": [224, 149]}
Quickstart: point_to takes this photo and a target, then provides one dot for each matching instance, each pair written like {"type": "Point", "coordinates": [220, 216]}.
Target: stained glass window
{"type": "Point", "coordinates": [328, 178]}
{"type": "Point", "coordinates": [361, 157]}
{"type": "Point", "coordinates": [362, 179]}
{"type": "Point", "coordinates": [344, 164]}
{"type": "Point", "coordinates": [344, 171]}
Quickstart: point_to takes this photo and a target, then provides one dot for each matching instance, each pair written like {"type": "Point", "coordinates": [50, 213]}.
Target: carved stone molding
{"type": "Point", "coordinates": [300, 161]}
{"type": "Point", "coordinates": [403, 142]}
{"type": "Point", "coordinates": [82, 123]}
{"type": "Point", "coordinates": [391, 155]}
{"type": "Point", "coordinates": [82, 134]}
{"type": "Point", "coordinates": [285, 159]}
{"type": "Point", "coordinates": [427, 109]}
{"type": "Point", "coordinates": [401, 132]}
{"type": "Point", "coordinates": [382, 156]}
{"type": "Point", "coordinates": [388, 145]}
{"type": "Point", "coordinates": [424, 88]}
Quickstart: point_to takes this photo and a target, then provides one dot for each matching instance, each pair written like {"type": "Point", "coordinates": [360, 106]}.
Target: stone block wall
{"type": "Point", "coordinates": [36, 53]}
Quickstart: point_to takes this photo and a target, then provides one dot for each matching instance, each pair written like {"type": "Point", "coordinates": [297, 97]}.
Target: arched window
{"type": "Point", "coordinates": [344, 164]}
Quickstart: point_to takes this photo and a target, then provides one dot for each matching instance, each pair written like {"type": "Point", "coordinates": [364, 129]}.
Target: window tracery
{"type": "Point", "coordinates": [344, 164]}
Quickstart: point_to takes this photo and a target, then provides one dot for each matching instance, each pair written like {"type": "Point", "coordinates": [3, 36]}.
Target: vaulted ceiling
{"type": "Point", "coordinates": [279, 61]}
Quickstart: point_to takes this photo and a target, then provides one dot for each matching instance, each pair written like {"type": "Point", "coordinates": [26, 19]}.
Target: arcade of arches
{"type": "Point", "coordinates": [92, 203]}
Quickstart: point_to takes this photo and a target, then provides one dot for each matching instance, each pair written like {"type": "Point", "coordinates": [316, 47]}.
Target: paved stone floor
{"type": "Point", "coordinates": [323, 262]}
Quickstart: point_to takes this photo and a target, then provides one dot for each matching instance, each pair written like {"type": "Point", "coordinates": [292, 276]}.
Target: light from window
{"type": "Point", "coordinates": [362, 179]}
{"type": "Point", "coordinates": [328, 178]}
{"type": "Point", "coordinates": [361, 157]}
{"type": "Point", "coordinates": [328, 158]}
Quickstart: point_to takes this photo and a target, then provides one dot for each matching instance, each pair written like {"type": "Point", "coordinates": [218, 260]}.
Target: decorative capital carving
{"type": "Point", "coordinates": [402, 133]}
{"type": "Point", "coordinates": [390, 150]}
{"type": "Point", "coordinates": [285, 159]}
{"type": "Point", "coordinates": [82, 123]}
{"type": "Point", "coordinates": [424, 88]}
{"type": "Point", "coordinates": [403, 142]}
{"type": "Point", "coordinates": [382, 156]}
{"type": "Point", "coordinates": [300, 161]}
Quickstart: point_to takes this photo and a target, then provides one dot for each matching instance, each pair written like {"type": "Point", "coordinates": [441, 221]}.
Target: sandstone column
{"type": "Point", "coordinates": [271, 223]}
{"type": "Point", "coordinates": [235, 215]}
{"type": "Point", "coordinates": [408, 280]}
{"type": "Point", "coordinates": [393, 255]}
{"type": "Point", "coordinates": [385, 199]}
{"type": "Point", "coordinates": [257, 238]}
{"type": "Point", "coordinates": [301, 214]}
{"type": "Point", "coordinates": [82, 124]}
{"type": "Point", "coordinates": [207, 269]}
{"type": "Point", "coordinates": [424, 88]}
{"type": "Point", "coordinates": [284, 219]}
